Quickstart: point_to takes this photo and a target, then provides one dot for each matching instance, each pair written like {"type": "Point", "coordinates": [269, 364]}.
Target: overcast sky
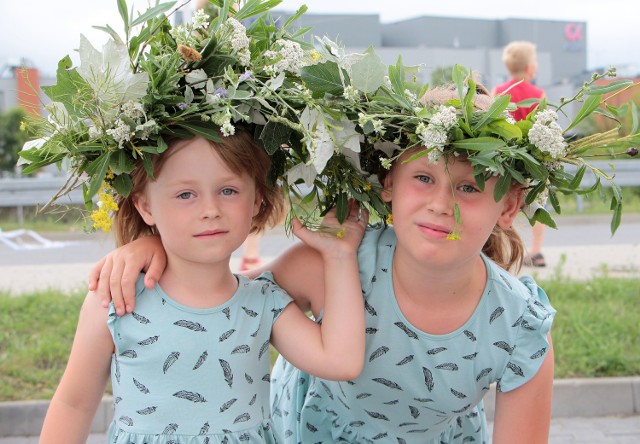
{"type": "Point", "coordinates": [43, 31]}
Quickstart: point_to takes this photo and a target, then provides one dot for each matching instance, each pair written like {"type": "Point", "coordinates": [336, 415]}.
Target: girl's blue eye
{"type": "Point", "coordinates": [185, 195]}
{"type": "Point", "coordinates": [468, 189]}
{"type": "Point", "coordinates": [228, 192]}
{"type": "Point", "coordinates": [423, 178]}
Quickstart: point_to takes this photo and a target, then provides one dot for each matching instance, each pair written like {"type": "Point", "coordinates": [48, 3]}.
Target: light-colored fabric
{"type": "Point", "coordinates": [417, 387]}
{"type": "Point", "coordinates": [183, 375]}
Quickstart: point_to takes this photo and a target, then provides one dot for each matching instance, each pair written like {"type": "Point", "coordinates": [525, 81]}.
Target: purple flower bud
{"type": "Point", "coordinates": [632, 151]}
{"type": "Point", "coordinates": [182, 106]}
{"type": "Point", "coordinates": [222, 93]}
{"type": "Point", "coordinates": [246, 76]}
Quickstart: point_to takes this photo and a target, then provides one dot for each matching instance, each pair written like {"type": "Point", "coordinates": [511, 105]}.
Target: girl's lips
{"type": "Point", "coordinates": [434, 231]}
{"type": "Point", "coordinates": [209, 233]}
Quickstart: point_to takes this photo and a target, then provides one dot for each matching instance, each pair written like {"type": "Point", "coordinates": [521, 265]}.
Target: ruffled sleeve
{"type": "Point", "coordinates": [278, 297]}
{"type": "Point", "coordinates": [532, 341]}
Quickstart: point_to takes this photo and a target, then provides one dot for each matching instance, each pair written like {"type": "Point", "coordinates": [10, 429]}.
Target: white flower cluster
{"type": "Point", "coordinates": [435, 134]}
{"type": "Point", "coordinates": [186, 34]}
{"type": "Point", "coordinates": [132, 122]}
{"type": "Point", "coordinates": [546, 134]}
{"type": "Point", "coordinates": [290, 57]}
{"type": "Point", "coordinates": [351, 94]}
{"type": "Point", "coordinates": [239, 40]}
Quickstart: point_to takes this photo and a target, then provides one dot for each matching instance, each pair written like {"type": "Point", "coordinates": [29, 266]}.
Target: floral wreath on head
{"type": "Point", "coordinates": [327, 119]}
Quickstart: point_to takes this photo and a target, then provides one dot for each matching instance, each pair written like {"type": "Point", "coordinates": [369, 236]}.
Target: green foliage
{"type": "Point", "coordinates": [441, 76]}
{"type": "Point", "coordinates": [11, 137]}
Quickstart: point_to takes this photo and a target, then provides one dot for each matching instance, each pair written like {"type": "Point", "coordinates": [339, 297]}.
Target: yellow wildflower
{"type": "Point", "coordinates": [366, 187]}
{"type": "Point", "coordinates": [340, 233]}
{"type": "Point", "coordinates": [453, 235]}
{"type": "Point", "coordinates": [102, 216]}
{"type": "Point", "coordinates": [23, 126]}
{"type": "Point", "coordinates": [315, 55]}
{"type": "Point", "coordinates": [390, 219]}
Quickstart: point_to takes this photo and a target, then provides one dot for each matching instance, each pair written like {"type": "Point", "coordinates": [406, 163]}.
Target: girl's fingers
{"type": "Point", "coordinates": [94, 275]}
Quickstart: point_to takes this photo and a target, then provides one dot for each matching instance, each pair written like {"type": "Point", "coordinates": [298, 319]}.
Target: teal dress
{"type": "Point", "coordinates": [418, 387]}
{"type": "Point", "coordinates": [183, 375]}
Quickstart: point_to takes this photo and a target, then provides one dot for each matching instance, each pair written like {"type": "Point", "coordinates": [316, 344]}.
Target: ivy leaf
{"type": "Point", "coordinates": [69, 85]}
{"type": "Point", "coordinates": [274, 135]}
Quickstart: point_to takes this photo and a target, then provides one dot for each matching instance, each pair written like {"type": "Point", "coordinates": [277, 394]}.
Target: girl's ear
{"type": "Point", "coordinates": [257, 204]}
{"type": "Point", "coordinates": [387, 185]}
{"type": "Point", "coordinates": [512, 205]}
{"type": "Point", "coordinates": [141, 203]}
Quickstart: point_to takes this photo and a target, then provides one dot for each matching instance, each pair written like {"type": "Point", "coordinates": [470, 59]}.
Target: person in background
{"type": "Point", "coordinates": [520, 59]}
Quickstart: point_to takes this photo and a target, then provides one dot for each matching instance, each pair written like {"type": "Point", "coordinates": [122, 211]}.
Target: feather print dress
{"type": "Point", "coordinates": [417, 387]}
{"type": "Point", "coordinates": [184, 375]}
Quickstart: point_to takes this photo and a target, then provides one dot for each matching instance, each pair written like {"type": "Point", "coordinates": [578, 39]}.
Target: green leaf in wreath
{"type": "Point", "coordinates": [274, 135]}
{"type": "Point", "coordinates": [69, 86]}
{"type": "Point", "coordinates": [323, 78]}
{"type": "Point", "coordinates": [123, 184]}
{"type": "Point", "coordinates": [368, 72]}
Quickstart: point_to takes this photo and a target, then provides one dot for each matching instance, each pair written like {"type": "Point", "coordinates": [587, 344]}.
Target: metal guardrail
{"type": "Point", "coordinates": [31, 192]}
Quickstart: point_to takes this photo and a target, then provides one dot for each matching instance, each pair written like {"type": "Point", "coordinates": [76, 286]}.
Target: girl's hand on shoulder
{"type": "Point", "coordinates": [114, 277]}
{"type": "Point", "coordinates": [334, 239]}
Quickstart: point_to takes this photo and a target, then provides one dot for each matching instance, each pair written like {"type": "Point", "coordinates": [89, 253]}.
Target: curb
{"type": "Point", "coordinates": [581, 397]}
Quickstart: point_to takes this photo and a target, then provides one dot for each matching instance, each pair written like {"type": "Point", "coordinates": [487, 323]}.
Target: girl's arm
{"type": "Point", "coordinates": [523, 415]}
{"type": "Point", "coordinates": [333, 349]}
{"type": "Point", "coordinates": [82, 386]}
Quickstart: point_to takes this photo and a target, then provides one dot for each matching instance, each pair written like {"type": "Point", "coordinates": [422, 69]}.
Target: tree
{"type": "Point", "coordinates": [11, 137]}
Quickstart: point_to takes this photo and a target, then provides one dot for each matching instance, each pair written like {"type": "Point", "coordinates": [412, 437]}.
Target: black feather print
{"type": "Point", "coordinates": [117, 369]}
{"type": "Point", "coordinates": [370, 309]}
{"type": "Point", "coordinates": [387, 383]}
{"type": "Point", "coordinates": [380, 436]}
{"type": "Point", "coordinates": [204, 429]}
{"type": "Point", "coordinates": [506, 281]}
{"type": "Point", "coordinates": [379, 352]}
{"type": "Point", "coordinates": [458, 394]}
{"type": "Point", "coordinates": [253, 399]}
{"type": "Point", "coordinates": [140, 386]}
{"type": "Point", "coordinates": [227, 404]}
{"type": "Point", "coordinates": [227, 312]}
{"type": "Point", "coordinates": [363, 395]}
{"type": "Point", "coordinates": [374, 279]}
{"type": "Point", "coordinates": [470, 335]}
{"type": "Point", "coordinates": [311, 427]}
{"type": "Point", "coordinates": [448, 366]}
{"type": "Point", "coordinates": [528, 326]}
{"type": "Point", "coordinates": [193, 326]}
{"type": "Point", "coordinates": [170, 429]}
{"type": "Point", "coordinates": [401, 441]}
{"type": "Point", "coordinates": [518, 321]}
{"type": "Point", "coordinates": [504, 346]}
{"type": "Point", "coordinates": [428, 378]}
{"type": "Point", "coordinates": [255, 333]}
{"type": "Point", "coordinates": [496, 314]}
{"type": "Point", "coordinates": [423, 399]}
{"type": "Point", "coordinates": [332, 413]}
{"type": "Point", "coordinates": [515, 369]}
{"type": "Point", "coordinates": [394, 402]}
{"type": "Point", "coordinates": [376, 415]}
{"type": "Point", "coordinates": [226, 370]}
{"type": "Point", "coordinates": [483, 373]}
{"type": "Point", "coordinates": [242, 418]}
{"type": "Point", "coordinates": [226, 335]}
{"type": "Point", "coordinates": [414, 411]}
{"type": "Point", "coordinates": [147, 411]}
{"type": "Point", "coordinates": [405, 424]}
{"type": "Point", "coordinates": [356, 423]}
{"type": "Point", "coordinates": [412, 334]}
{"type": "Point", "coordinates": [462, 409]}
{"type": "Point", "coordinates": [126, 420]}
{"type": "Point", "coordinates": [241, 349]}
{"type": "Point", "coordinates": [371, 331]}
{"type": "Point", "coordinates": [244, 437]}
{"type": "Point", "coordinates": [203, 357]}
{"type": "Point", "coordinates": [141, 319]}
{"type": "Point", "coordinates": [405, 360]}
{"type": "Point", "coordinates": [267, 378]}
{"type": "Point", "coordinates": [470, 357]}
{"type": "Point", "coordinates": [435, 351]}
{"type": "Point", "coordinates": [129, 354]}
{"type": "Point", "coordinates": [189, 396]}
{"type": "Point", "coordinates": [540, 353]}
{"type": "Point", "coordinates": [276, 312]}
{"type": "Point", "coordinates": [248, 378]}
{"type": "Point", "coordinates": [263, 349]}
{"type": "Point", "coordinates": [326, 389]}
{"type": "Point", "coordinates": [117, 400]}
{"type": "Point", "coordinates": [150, 340]}
{"type": "Point", "coordinates": [171, 359]}
{"type": "Point", "coordinates": [249, 312]}
{"type": "Point", "coordinates": [264, 288]}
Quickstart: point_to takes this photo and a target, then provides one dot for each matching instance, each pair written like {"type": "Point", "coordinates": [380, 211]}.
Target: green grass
{"type": "Point", "coordinates": [595, 334]}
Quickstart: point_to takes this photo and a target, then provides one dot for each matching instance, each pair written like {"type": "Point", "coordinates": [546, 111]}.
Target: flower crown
{"type": "Point", "coordinates": [327, 119]}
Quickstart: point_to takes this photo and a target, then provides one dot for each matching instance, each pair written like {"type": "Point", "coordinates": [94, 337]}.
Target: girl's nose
{"type": "Point", "coordinates": [441, 200]}
{"type": "Point", "coordinates": [210, 208]}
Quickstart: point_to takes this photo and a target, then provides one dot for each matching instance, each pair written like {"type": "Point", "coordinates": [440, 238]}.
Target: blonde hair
{"type": "Point", "coordinates": [504, 245]}
{"type": "Point", "coordinates": [518, 55]}
{"type": "Point", "coordinates": [240, 153]}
